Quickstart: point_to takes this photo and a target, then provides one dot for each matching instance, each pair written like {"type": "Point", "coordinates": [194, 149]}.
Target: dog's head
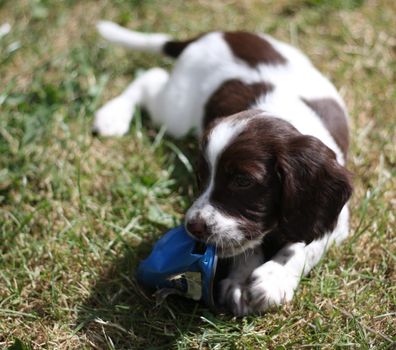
{"type": "Point", "coordinates": [258, 174]}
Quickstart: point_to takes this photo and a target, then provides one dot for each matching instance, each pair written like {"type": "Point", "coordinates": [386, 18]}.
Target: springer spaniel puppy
{"type": "Point", "coordinates": [274, 140]}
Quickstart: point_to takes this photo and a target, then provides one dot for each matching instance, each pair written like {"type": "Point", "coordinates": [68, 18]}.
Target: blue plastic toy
{"type": "Point", "coordinates": [180, 264]}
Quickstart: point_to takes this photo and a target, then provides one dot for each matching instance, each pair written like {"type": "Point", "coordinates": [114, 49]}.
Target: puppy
{"type": "Point", "coordinates": [274, 140]}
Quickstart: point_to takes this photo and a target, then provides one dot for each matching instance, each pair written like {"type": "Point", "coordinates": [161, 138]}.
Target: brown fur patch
{"type": "Point", "coordinates": [253, 49]}
{"type": "Point", "coordinates": [334, 118]}
{"type": "Point", "coordinates": [233, 96]}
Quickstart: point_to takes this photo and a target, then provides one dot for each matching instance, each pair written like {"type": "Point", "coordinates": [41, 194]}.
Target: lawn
{"type": "Point", "coordinates": [78, 213]}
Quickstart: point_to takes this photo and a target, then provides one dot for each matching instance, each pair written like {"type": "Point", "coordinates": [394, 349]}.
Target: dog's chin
{"type": "Point", "coordinates": [228, 250]}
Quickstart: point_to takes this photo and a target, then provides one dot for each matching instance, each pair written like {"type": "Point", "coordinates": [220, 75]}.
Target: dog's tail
{"type": "Point", "coordinates": [145, 42]}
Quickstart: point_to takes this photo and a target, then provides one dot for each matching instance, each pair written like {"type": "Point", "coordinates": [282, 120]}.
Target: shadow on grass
{"type": "Point", "coordinates": [118, 314]}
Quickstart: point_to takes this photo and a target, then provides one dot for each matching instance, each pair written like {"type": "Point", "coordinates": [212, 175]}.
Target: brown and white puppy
{"type": "Point", "coordinates": [274, 139]}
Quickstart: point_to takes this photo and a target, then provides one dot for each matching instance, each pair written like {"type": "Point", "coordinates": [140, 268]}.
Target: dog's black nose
{"type": "Point", "coordinates": [94, 133]}
{"type": "Point", "coordinates": [197, 227]}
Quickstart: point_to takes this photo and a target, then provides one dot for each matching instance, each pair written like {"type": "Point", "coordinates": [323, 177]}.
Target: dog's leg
{"type": "Point", "coordinates": [232, 289]}
{"type": "Point", "coordinates": [114, 118]}
{"type": "Point", "coordinates": [274, 282]}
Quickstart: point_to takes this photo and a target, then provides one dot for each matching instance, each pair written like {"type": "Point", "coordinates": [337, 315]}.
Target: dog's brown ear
{"type": "Point", "coordinates": [315, 187]}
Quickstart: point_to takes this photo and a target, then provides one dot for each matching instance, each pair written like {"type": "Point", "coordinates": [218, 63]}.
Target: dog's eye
{"type": "Point", "coordinates": [241, 181]}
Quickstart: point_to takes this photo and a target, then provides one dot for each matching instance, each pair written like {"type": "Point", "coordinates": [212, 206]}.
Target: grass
{"type": "Point", "coordinates": [78, 213]}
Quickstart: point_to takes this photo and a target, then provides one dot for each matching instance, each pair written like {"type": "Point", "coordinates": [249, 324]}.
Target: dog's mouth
{"type": "Point", "coordinates": [229, 242]}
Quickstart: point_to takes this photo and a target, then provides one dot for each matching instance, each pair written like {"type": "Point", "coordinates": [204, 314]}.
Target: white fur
{"type": "Point", "coordinates": [114, 118]}
{"type": "Point", "coordinates": [177, 101]}
{"type": "Point", "coordinates": [220, 137]}
{"type": "Point", "coordinates": [130, 39]}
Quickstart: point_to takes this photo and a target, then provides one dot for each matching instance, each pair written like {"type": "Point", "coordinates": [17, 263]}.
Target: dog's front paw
{"type": "Point", "coordinates": [270, 285]}
{"type": "Point", "coordinates": [233, 297]}
{"type": "Point", "coordinates": [113, 118]}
